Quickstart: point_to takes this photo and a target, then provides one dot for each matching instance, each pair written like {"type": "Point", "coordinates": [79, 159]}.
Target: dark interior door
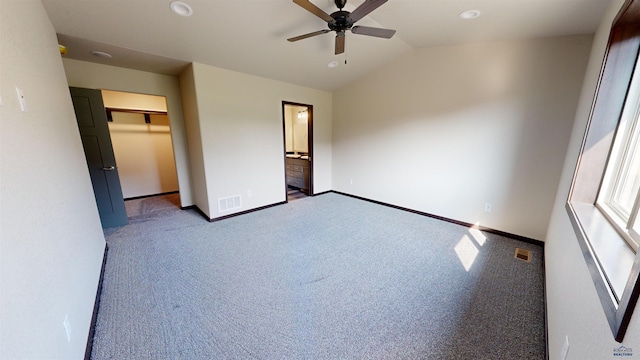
{"type": "Point", "coordinates": [94, 131]}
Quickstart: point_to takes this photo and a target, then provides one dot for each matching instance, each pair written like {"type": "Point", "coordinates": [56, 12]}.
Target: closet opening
{"type": "Point", "coordinates": [141, 138]}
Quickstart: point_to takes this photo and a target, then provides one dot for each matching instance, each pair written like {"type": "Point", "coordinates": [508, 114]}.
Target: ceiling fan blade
{"type": "Point", "coordinates": [365, 8]}
{"type": "Point", "coordinates": [320, 32]}
{"type": "Point", "coordinates": [371, 31]}
{"type": "Point", "coordinates": [340, 42]}
{"type": "Point", "coordinates": [314, 10]}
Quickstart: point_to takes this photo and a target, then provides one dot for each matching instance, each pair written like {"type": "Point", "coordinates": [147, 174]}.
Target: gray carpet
{"type": "Point", "coordinates": [325, 277]}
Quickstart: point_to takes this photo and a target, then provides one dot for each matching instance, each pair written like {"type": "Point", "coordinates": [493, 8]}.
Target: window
{"type": "Point", "coordinates": [618, 197]}
{"type": "Point", "coordinates": [604, 201]}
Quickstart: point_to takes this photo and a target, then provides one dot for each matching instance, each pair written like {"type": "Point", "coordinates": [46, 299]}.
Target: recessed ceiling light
{"type": "Point", "coordinates": [470, 14]}
{"type": "Point", "coordinates": [333, 64]}
{"type": "Point", "coordinates": [101, 54]}
{"type": "Point", "coordinates": [181, 8]}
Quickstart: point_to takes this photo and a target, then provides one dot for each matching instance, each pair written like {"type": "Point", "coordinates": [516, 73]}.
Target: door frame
{"type": "Point", "coordinates": [309, 143]}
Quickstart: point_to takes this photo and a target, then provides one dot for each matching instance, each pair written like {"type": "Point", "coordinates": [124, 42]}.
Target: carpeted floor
{"type": "Point", "coordinates": [325, 277]}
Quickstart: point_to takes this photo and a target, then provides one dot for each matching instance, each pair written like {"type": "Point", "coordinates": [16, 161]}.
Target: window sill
{"type": "Point", "coordinates": [610, 252]}
{"type": "Point", "coordinates": [608, 259]}
{"type": "Point", "coordinates": [618, 224]}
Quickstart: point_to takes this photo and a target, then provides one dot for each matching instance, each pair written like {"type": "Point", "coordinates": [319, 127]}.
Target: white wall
{"type": "Point", "coordinates": [288, 127]}
{"type": "Point", "coordinates": [240, 124]}
{"type": "Point", "coordinates": [192, 126]}
{"type": "Point", "coordinates": [574, 309]}
{"type": "Point", "coordinates": [300, 131]}
{"type": "Point", "coordinates": [144, 154]}
{"type": "Point", "coordinates": [446, 130]}
{"type": "Point", "coordinates": [133, 101]}
{"type": "Point", "coordinates": [98, 76]}
{"type": "Point", "coordinates": [51, 242]}
{"type": "Point", "coordinates": [296, 130]}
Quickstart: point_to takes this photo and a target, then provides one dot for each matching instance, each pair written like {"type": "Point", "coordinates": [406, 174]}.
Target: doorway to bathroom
{"type": "Point", "coordinates": [298, 149]}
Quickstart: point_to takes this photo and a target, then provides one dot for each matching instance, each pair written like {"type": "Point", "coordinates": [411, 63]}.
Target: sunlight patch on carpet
{"type": "Point", "coordinates": [466, 251]}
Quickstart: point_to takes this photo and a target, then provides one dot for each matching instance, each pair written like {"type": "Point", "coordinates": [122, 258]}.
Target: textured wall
{"type": "Point", "coordinates": [240, 124]}
{"type": "Point", "coordinates": [574, 309]}
{"type": "Point", "coordinates": [446, 130]}
{"type": "Point", "coordinates": [51, 241]}
{"type": "Point", "coordinates": [144, 154]}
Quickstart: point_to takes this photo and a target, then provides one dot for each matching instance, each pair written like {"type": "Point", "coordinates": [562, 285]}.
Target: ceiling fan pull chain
{"type": "Point", "coordinates": [345, 57]}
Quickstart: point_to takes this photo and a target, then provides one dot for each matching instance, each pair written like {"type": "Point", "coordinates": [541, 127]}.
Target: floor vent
{"type": "Point", "coordinates": [523, 254]}
{"type": "Point", "coordinates": [229, 203]}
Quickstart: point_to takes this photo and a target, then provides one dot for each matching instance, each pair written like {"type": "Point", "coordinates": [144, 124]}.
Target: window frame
{"type": "Point", "coordinates": [624, 148]}
{"type": "Point", "coordinates": [618, 287]}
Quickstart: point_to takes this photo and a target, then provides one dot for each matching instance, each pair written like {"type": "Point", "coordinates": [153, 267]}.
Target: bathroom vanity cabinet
{"type": "Point", "coordinates": [298, 173]}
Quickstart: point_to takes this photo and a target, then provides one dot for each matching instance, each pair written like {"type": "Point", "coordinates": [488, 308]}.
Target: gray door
{"type": "Point", "coordinates": [94, 131]}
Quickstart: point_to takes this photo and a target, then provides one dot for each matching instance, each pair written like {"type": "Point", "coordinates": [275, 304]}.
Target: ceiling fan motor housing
{"type": "Point", "coordinates": [341, 21]}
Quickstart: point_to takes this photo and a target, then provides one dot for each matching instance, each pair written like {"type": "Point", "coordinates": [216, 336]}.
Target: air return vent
{"type": "Point", "coordinates": [523, 254]}
{"type": "Point", "coordinates": [229, 203]}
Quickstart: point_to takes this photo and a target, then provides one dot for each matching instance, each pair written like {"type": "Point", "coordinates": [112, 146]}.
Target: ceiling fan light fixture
{"type": "Point", "coordinates": [470, 14]}
{"type": "Point", "coordinates": [181, 8]}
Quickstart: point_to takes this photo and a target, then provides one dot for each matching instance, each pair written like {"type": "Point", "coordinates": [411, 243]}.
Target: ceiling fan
{"type": "Point", "coordinates": [341, 21]}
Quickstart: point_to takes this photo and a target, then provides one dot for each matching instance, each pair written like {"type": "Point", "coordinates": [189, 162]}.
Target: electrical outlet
{"type": "Point", "coordinates": [350, 181]}
{"type": "Point", "coordinates": [565, 349]}
{"type": "Point", "coordinates": [249, 193]}
{"type": "Point", "coordinates": [488, 207]}
{"type": "Point", "coordinates": [67, 327]}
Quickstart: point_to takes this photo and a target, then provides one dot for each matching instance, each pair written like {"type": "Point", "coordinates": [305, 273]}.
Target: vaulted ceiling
{"type": "Point", "coordinates": [249, 36]}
